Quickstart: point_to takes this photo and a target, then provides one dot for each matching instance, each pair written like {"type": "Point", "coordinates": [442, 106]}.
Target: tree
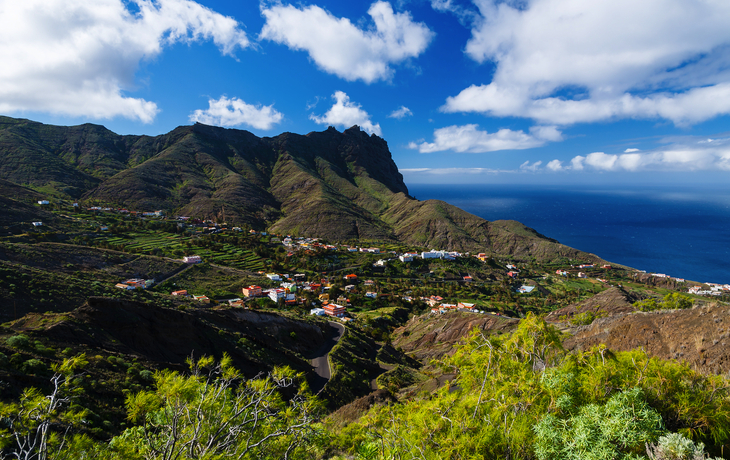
{"type": "Point", "coordinates": [618, 430]}
{"type": "Point", "coordinates": [38, 425]}
{"type": "Point", "coordinates": [218, 414]}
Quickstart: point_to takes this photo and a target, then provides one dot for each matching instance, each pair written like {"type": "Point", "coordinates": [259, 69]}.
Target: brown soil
{"type": "Point", "coordinates": [610, 302]}
{"type": "Point", "coordinates": [351, 412]}
{"type": "Point", "coordinates": [431, 336]}
{"type": "Point", "coordinates": [699, 336]}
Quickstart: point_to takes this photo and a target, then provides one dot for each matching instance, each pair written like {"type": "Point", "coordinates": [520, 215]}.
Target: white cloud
{"type": "Point", "coordinates": [576, 163]}
{"type": "Point", "coordinates": [341, 48]}
{"type": "Point", "coordinates": [235, 112]}
{"type": "Point", "coordinates": [631, 150]}
{"type": "Point", "coordinates": [402, 112]}
{"type": "Point", "coordinates": [680, 154]}
{"type": "Point", "coordinates": [555, 165]}
{"type": "Point", "coordinates": [77, 57]}
{"type": "Point", "coordinates": [470, 139]}
{"type": "Point", "coordinates": [526, 166]}
{"type": "Point", "coordinates": [465, 15]}
{"type": "Point", "coordinates": [563, 62]}
{"type": "Point", "coordinates": [346, 114]}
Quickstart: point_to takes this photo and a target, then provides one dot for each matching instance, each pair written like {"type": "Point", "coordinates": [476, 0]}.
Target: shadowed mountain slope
{"type": "Point", "coordinates": [337, 185]}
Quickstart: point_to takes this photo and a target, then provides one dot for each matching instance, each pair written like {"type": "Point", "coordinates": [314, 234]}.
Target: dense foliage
{"type": "Point", "coordinates": [516, 396]}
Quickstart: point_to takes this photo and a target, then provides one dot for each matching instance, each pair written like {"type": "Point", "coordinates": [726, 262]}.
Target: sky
{"type": "Point", "coordinates": [481, 91]}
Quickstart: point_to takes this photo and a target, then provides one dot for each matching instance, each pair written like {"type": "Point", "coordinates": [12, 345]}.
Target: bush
{"type": "Point", "coordinates": [18, 341]}
{"type": "Point", "coordinates": [34, 366]}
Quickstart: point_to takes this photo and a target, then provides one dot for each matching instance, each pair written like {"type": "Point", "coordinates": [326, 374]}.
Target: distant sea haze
{"type": "Point", "coordinates": [682, 232]}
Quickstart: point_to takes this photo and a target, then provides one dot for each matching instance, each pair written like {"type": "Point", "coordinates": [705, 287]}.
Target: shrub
{"type": "Point", "coordinates": [18, 341]}
{"type": "Point", "coordinates": [34, 366]}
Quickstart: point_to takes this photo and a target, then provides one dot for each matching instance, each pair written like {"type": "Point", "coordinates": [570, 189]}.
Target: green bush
{"type": "Point", "coordinates": [34, 366]}
{"type": "Point", "coordinates": [18, 341]}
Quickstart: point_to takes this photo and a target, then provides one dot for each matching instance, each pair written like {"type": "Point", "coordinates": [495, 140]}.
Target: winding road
{"type": "Point", "coordinates": [322, 371]}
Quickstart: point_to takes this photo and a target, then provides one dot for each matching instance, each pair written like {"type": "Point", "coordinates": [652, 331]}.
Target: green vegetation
{"type": "Point", "coordinates": [510, 390]}
{"type": "Point", "coordinates": [671, 301]}
{"type": "Point", "coordinates": [517, 395]}
{"type": "Point", "coordinates": [522, 396]}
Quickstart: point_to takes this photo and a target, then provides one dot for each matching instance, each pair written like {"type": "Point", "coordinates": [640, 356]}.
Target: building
{"type": "Point", "coordinates": [317, 312]}
{"type": "Point", "coordinates": [124, 286]}
{"type": "Point", "coordinates": [525, 289]}
{"type": "Point", "coordinates": [252, 291]}
{"type": "Point", "coordinates": [332, 309]}
{"type": "Point", "coordinates": [136, 283]}
{"type": "Point", "coordinates": [183, 293]}
{"type": "Point", "coordinates": [192, 259]}
{"type": "Point", "coordinates": [276, 294]}
{"type": "Point", "coordinates": [351, 277]}
{"type": "Point", "coordinates": [273, 276]}
{"type": "Point", "coordinates": [37, 224]}
{"type": "Point", "coordinates": [582, 275]}
{"type": "Point", "coordinates": [406, 258]}
{"type": "Point", "coordinates": [372, 295]}
{"type": "Point", "coordinates": [201, 298]}
{"type": "Point", "coordinates": [468, 278]}
{"type": "Point", "coordinates": [431, 255]}
{"type": "Point", "coordinates": [43, 202]}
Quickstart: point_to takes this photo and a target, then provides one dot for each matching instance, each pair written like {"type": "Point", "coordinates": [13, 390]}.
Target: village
{"type": "Point", "coordinates": [313, 293]}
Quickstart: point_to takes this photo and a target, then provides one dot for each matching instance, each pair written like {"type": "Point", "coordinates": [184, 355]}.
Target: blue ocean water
{"type": "Point", "coordinates": [681, 231]}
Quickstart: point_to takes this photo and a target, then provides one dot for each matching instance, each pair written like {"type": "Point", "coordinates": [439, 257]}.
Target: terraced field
{"type": "Point", "coordinates": [173, 245]}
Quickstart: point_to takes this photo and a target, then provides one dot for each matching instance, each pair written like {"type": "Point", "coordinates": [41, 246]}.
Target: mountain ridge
{"type": "Point", "coordinates": [338, 185]}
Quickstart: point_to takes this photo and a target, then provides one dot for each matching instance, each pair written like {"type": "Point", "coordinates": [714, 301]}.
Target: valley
{"type": "Point", "coordinates": [371, 321]}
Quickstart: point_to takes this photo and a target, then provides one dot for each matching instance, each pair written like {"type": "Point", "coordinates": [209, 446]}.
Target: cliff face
{"type": "Point", "coordinates": [338, 185]}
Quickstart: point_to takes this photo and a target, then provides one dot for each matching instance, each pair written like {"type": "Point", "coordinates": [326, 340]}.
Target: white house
{"type": "Point", "coordinates": [37, 224]}
{"type": "Point", "coordinates": [276, 294]}
{"type": "Point", "coordinates": [192, 259]}
{"type": "Point", "coordinates": [43, 202]}
{"type": "Point", "coordinates": [273, 276]}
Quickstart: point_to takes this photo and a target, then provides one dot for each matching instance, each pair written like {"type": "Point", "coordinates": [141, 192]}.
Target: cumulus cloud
{"type": "Point", "coordinates": [679, 154]}
{"type": "Point", "coordinates": [341, 48]}
{"type": "Point", "coordinates": [561, 62]}
{"type": "Point", "coordinates": [346, 114]}
{"type": "Point", "coordinates": [470, 139]}
{"type": "Point", "coordinates": [631, 150]}
{"type": "Point", "coordinates": [555, 165]}
{"type": "Point", "coordinates": [76, 57]}
{"type": "Point", "coordinates": [235, 112]}
{"type": "Point", "coordinates": [402, 112]}
{"type": "Point", "coordinates": [577, 163]}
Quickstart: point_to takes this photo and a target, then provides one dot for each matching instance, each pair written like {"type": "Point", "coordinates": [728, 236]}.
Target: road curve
{"type": "Point", "coordinates": [320, 363]}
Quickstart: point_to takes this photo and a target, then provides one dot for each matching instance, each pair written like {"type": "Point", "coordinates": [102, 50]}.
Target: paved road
{"type": "Point", "coordinates": [320, 362]}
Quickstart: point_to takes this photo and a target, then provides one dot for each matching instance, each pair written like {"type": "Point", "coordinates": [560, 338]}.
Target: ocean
{"type": "Point", "coordinates": [683, 232]}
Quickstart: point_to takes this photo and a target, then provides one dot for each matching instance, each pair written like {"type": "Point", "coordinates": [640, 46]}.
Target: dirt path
{"type": "Point", "coordinates": [321, 362]}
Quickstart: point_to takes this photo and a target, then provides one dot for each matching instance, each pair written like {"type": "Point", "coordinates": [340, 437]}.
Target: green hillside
{"type": "Point", "coordinates": [338, 185]}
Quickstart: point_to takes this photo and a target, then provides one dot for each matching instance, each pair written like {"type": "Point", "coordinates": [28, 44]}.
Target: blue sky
{"type": "Point", "coordinates": [514, 91]}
